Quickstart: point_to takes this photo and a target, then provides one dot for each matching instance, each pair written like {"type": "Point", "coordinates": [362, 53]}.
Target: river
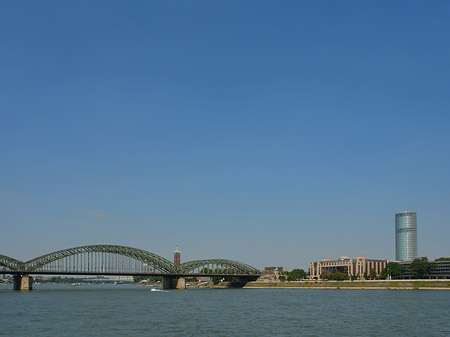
{"type": "Point", "coordinates": [126, 310]}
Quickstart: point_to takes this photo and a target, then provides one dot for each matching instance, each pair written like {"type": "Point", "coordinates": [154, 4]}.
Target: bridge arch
{"type": "Point", "coordinates": [9, 263]}
{"type": "Point", "coordinates": [217, 266]}
{"type": "Point", "coordinates": [120, 260]}
{"type": "Point", "coordinates": [100, 259]}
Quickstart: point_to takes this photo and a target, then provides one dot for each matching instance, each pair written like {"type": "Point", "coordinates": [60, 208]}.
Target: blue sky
{"type": "Point", "coordinates": [273, 133]}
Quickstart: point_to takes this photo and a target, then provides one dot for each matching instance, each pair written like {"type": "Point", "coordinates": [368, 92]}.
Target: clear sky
{"type": "Point", "coordinates": [269, 132]}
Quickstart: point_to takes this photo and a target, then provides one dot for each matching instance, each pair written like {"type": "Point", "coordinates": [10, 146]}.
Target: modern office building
{"type": "Point", "coordinates": [405, 236]}
{"type": "Point", "coordinates": [440, 270]}
{"type": "Point", "coordinates": [360, 265]}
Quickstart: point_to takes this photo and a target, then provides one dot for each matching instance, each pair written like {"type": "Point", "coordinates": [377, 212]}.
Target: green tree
{"type": "Point", "coordinates": [383, 275]}
{"type": "Point", "coordinates": [421, 267]}
{"type": "Point", "coordinates": [354, 277]}
{"type": "Point", "coordinates": [339, 276]}
{"type": "Point", "coordinates": [325, 276]}
{"type": "Point", "coordinates": [334, 276]}
{"type": "Point", "coordinates": [373, 274]}
{"type": "Point", "coordinates": [296, 275]}
{"type": "Point", "coordinates": [443, 259]}
{"type": "Point", "coordinates": [394, 269]}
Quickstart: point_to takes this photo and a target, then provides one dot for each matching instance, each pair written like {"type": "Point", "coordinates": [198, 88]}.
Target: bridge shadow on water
{"type": "Point", "coordinates": [236, 284]}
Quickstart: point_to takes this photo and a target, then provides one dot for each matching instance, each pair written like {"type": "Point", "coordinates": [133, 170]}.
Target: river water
{"type": "Point", "coordinates": [125, 310]}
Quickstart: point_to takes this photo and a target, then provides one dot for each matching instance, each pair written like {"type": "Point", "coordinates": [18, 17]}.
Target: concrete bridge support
{"type": "Point", "coordinates": [23, 282]}
{"type": "Point", "coordinates": [171, 282]}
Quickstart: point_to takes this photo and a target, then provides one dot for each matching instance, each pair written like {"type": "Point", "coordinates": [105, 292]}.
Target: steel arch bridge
{"type": "Point", "coordinates": [217, 266]}
{"type": "Point", "coordinates": [121, 260]}
{"type": "Point", "coordinates": [8, 263]}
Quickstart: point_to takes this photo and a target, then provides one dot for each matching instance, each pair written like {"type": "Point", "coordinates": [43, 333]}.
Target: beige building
{"type": "Point", "coordinates": [359, 265]}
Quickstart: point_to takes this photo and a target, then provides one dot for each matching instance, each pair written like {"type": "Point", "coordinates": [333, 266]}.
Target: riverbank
{"type": "Point", "coordinates": [375, 284]}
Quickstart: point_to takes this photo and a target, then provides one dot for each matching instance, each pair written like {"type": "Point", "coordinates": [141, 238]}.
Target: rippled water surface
{"type": "Point", "coordinates": [121, 310]}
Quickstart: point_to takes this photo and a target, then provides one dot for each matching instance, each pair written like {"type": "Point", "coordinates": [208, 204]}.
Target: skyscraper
{"type": "Point", "coordinates": [405, 236]}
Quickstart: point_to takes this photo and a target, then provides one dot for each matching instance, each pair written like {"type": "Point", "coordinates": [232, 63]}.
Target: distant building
{"type": "Point", "coordinates": [273, 270]}
{"type": "Point", "coordinates": [176, 257]}
{"type": "Point", "coordinates": [271, 274]}
{"type": "Point", "coordinates": [440, 270]}
{"type": "Point", "coordinates": [405, 236]}
{"type": "Point", "coordinates": [360, 265]}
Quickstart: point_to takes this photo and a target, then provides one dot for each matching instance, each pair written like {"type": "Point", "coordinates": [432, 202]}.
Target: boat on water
{"type": "Point", "coordinates": [118, 282]}
{"type": "Point", "coordinates": [76, 284]}
{"type": "Point", "coordinates": [156, 289]}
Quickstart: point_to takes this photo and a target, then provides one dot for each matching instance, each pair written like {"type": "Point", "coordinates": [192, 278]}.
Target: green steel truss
{"type": "Point", "coordinates": [151, 259]}
{"type": "Point", "coordinates": [217, 266]}
{"type": "Point", "coordinates": [9, 263]}
{"type": "Point", "coordinates": [204, 267]}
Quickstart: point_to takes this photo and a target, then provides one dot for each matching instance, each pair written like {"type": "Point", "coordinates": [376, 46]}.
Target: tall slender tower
{"type": "Point", "coordinates": [405, 236]}
{"type": "Point", "coordinates": [176, 257]}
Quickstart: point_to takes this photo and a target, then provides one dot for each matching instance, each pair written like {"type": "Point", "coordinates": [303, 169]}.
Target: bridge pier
{"type": "Point", "coordinates": [23, 282]}
{"type": "Point", "coordinates": [171, 282]}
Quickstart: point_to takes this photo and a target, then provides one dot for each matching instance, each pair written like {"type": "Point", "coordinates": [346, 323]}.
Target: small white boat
{"type": "Point", "coordinates": [76, 284]}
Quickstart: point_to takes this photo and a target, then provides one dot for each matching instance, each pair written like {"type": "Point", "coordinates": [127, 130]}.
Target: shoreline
{"type": "Point", "coordinates": [349, 288]}
{"type": "Point", "coordinates": [362, 285]}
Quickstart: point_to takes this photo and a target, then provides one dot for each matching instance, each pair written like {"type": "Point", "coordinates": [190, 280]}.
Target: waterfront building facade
{"type": "Point", "coordinates": [360, 265]}
{"type": "Point", "coordinates": [440, 270]}
{"type": "Point", "coordinates": [405, 236]}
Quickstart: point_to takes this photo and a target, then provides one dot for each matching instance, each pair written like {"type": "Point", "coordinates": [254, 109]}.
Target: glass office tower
{"type": "Point", "coordinates": [405, 236]}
